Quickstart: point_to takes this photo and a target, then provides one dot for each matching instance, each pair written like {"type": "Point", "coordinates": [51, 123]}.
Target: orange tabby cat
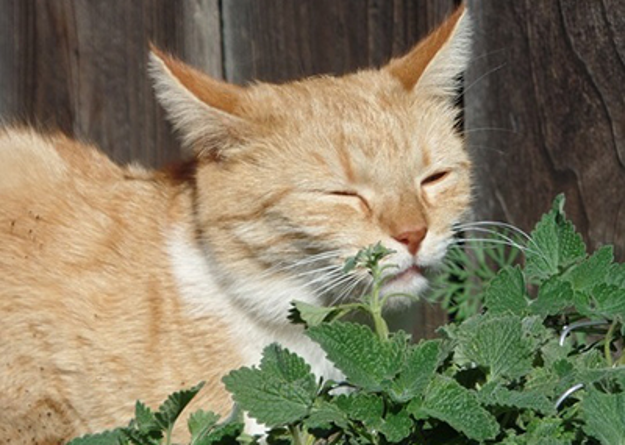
{"type": "Point", "coordinates": [118, 283]}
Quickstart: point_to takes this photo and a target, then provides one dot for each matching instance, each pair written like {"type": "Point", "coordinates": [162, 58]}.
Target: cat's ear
{"type": "Point", "coordinates": [435, 63]}
{"type": "Point", "coordinates": [202, 109]}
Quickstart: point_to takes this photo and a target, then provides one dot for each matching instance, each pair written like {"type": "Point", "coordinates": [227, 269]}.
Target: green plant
{"type": "Point", "coordinates": [472, 261]}
{"type": "Point", "coordinates": [155, 428]}
{"type": "Point", "coordinates": [540, 363]}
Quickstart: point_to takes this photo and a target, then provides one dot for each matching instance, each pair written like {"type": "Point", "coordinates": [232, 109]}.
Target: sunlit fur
{"type": "Point", "coordinates": [119, 283]}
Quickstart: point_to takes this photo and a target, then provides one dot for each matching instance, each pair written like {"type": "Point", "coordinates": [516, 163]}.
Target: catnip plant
{"type": "Point", "coordinates": [538, 362]}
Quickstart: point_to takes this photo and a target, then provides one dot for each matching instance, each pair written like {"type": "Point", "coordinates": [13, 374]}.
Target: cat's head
{"type": "Point", "coordinates": [292, 179]}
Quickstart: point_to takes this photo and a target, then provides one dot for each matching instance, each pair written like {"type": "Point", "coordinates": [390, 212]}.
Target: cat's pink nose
{"type": "Point", "coordinates": [412, 238]}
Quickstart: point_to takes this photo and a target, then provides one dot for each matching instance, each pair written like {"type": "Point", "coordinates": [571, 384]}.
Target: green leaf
{"type": "Point", "coordinates": [366, 360]}
{"type": "Point", "coordinates": [136, 437]}
{"type": "Point", "coordinates": [506, 292]}
{"type": "Point", "coordinates": [200, 424]}
{"type": "Point", "coordinates": [418, 369]}
{"type": "Point", "coordinates": [280, 391]}
{"type": "Point", "coordinates": [224, 434]}
{"type": "Point", "coordinates": [112, 437]}
{"type": "Point", "coordinates": [171, 408]}
{"type": "Point", "coordinates": [396, 427]}
{"type": "Point", "coordinates": [616, 275]}
{"type": "Point", "coordinates": [604, 416]}
{"type": "Point", "coordinates": [368, 257]}
{"type": "Point", "coordinates": [554, 295]}
{"type": "Point", "coordinates": [495, 394]}
{"type": "Point", "coordinates": [146, 420]}
{"type": "Point", "coordinates": [324, 414]}
{"type": "Point", "coordinates": [447, 400]}
{"type": "Point", "coordinates": [548, 431]}
{"type": "Point", "coordinates": [592, 270]}
{"type": "Point", "coordinates": [606, 301]}
{"type": "Point", "coordinates": [365, 408]}
{"type": "Point", "coordinates": [554, 244]}
{"type": "Point", "coordinates": [310, 314]}
{"type": "Point", "coordinates": [497, 343]}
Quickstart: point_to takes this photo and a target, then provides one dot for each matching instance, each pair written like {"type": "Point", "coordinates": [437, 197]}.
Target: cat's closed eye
{"type": "Point", "coordinates": [352, 194]}
{"type": "Point", "coordinates": [435, 178]}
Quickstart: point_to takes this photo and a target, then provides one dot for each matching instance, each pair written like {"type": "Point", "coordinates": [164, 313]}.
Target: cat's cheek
{"type": "Point", "coordinates": [433, 250]}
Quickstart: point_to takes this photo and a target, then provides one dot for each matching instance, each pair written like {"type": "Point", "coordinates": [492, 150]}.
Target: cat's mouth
{"type": "Point", "coordinates": [410, 280]}
{"type": "Point", "coordinates": [406, 275]}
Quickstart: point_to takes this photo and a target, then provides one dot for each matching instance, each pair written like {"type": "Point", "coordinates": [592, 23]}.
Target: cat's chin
{"type": "Point", "coordinates": [409, 281]}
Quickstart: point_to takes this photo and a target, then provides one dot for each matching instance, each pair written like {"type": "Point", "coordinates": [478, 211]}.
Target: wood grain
{"type": "Point", "coordinates": [80, 66]}
{"type": "Point", "coordinates": [545, 113]}
{"type": "Point", "coordinates": [280, 40]}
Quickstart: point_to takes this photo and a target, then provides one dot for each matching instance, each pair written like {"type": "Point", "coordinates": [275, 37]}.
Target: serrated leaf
{"type": "Point", "coordinates": [365, 408]}
{"type": "Point", "coordinates": [171, 408]}
{"type": "Point", "coordinates": [495, 394]}
{"type": "Point", "coordinates": [324, 414]}
{"type": "Point", "coordinates": [604, 416]}
{"type": "Point", "coordinates": [542, 380]}
{"type": "Point", "coordinates": [396, 427]}
{"type": "Point", "coordinates": [616, 275]}
{"type": "Point", "coordinates": [606, 301]}
{"type": "Point", "coordinates": [310, 314]}
{"type": "Point", "coordinates": [225, 434]}
{"type": "Point", "coordinates": [447, 400]}
{"type": "Point", "coordinates": [418, 369]}
{"type": "Point", "coordinates": [554, 295]}
{"type": "Point", "coordinates": [554, 244]}
{"type": "Point", "coordinates": [112, 437]}
{"type": "Point", "coordinates": [366, 360]}
{"type": "Point", "coordinates": [136, 437]}
{"type": "Point", "coordinates": [497, 343]}
{"type": "Point", "coordinates": [591, 271]}
{"type": "Point", "coordinates": [280, 391]}
{"type": "Point", "coordinates": [146, 420]}
{"type": "Point", "coordinates": [200, 423]}
{"type": "Point", "coordinates": [506, 292]}
{"type": "Point", "coordinates": [548, 431]}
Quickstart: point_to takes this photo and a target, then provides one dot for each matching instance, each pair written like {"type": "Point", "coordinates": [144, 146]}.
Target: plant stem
{"type": "Point", "coordinates": [608, 341]}
{"type": "Point", "coordinates": [297, 440]}
{"type": "Point", "coordinates": [375, 305]}
{"type": "Point", "coordinates": [168, 435]}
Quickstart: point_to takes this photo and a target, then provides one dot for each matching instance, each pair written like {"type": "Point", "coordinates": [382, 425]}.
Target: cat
{"type": "Point", "coordinates": [121, 283]}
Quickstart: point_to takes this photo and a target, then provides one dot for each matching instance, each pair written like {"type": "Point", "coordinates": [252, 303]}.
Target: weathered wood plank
{"type": "Point", "coordinates": [279, 40]}
{"type": "Point", "coordinates": [80, 66]}
{"type": "Point", "coordinates": [545, 113]}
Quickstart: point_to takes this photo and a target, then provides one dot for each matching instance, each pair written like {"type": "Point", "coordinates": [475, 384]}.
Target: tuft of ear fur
{"type": "Point", "coordinates": [202, 109]}
{"type": "Point", "coordinates": [437, 61]}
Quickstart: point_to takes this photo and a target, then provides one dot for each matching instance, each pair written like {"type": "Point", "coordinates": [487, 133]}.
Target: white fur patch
{"type": "Point", "coordinates": [254, 323]}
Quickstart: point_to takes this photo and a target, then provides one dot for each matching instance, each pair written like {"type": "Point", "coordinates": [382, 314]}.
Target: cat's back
{"type": "Point", "coordinates": [64, 205]}
{"type": "Point", "coordinates": [30, 161]}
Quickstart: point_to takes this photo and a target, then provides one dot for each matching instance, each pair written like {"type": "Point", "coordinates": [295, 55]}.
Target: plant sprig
{"type": "Point", "coordinates": [511, 373]}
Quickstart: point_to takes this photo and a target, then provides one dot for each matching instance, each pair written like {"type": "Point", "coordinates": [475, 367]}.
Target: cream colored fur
{"type": "Point", "coordinates": [118, 283]}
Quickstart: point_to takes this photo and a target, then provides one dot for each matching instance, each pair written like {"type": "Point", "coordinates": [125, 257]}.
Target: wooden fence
{"type": "Point", "coordinates": [544, 102]}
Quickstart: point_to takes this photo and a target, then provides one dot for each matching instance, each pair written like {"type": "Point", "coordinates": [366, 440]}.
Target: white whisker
{"type": "Point", "coordinates": [349, 288]}
{"type": "Point", "coordinates": [325, 277]}
{"type": "Point", "coordinates": [479, 226]}
{"type": "Point", "coordinates": [496, 224]}
{"type": "Point", "coordinates": [486, 74]}
{"type": "Point", "coordinates": [331, 268]}
{"type": "Point", "coordinates": [304, 262]}
{"type": "Point", "coordinates": [502, 237]}
{"type": "Point", "coordinates": [326, 288]}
